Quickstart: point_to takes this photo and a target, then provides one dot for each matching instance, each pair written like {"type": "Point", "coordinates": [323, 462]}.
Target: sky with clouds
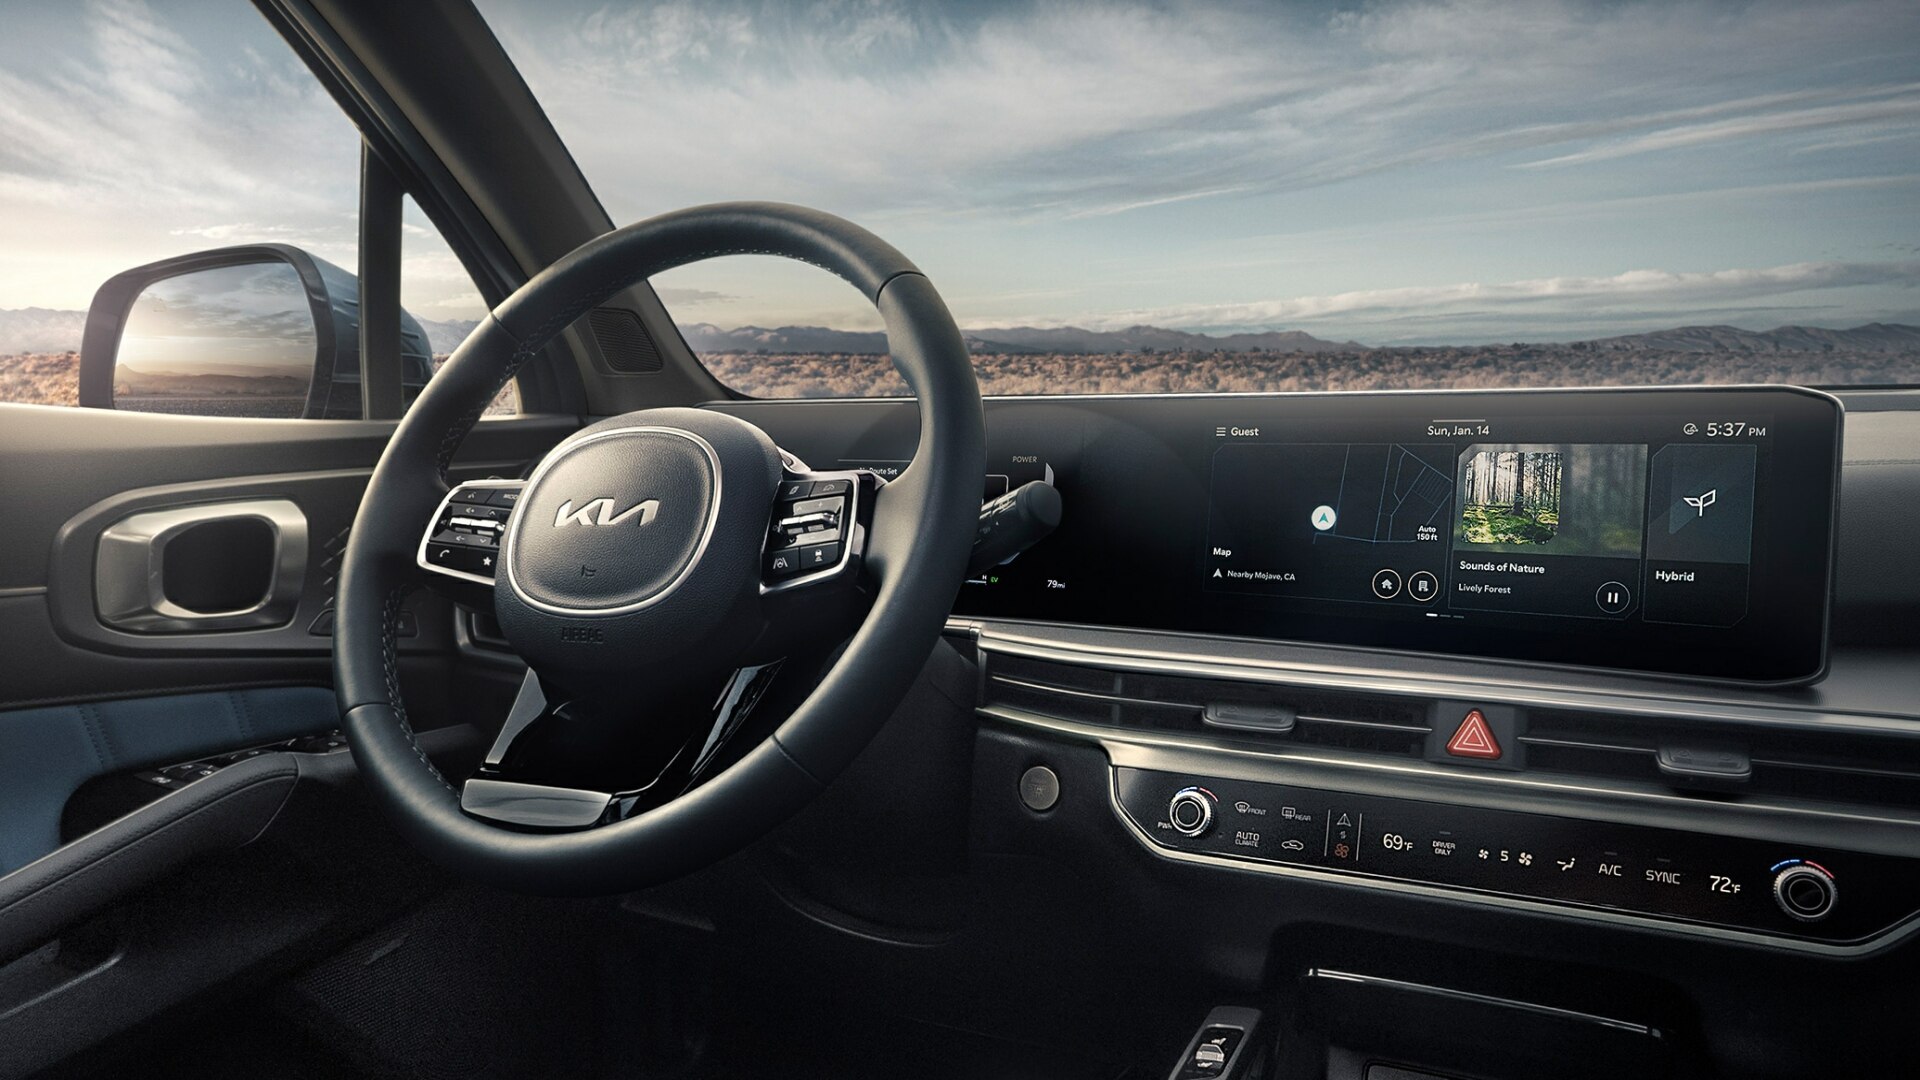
{"type": "Point", "coordinates": [1386, 171]}
{"type": "Point", "coordinates": [132, 132]}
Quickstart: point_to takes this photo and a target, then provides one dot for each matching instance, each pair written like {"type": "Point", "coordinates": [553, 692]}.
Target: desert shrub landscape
{"type": "Point", "coordinates": [40, 378]}
{"type": "Point", "coordinates": [1475, 367]}
{"type": "Point", "coordinates": [52, 378]}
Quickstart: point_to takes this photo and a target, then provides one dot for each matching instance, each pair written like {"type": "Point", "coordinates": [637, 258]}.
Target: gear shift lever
{"type": "Point", "coordinates": [1013, 523]}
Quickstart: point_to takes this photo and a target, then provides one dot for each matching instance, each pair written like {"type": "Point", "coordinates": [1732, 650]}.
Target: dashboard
{"type": "Point", "coordinates": [1545, 652]}
{"type": "Point", "coordinates": [1682, 531]}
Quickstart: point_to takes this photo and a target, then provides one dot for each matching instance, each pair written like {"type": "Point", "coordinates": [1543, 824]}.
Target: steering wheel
{"type": "Point", "coordinates": [666, 575]}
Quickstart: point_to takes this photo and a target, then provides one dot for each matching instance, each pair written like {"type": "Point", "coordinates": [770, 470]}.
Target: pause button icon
{"type": "Point", "coordinates": [1613, 598]}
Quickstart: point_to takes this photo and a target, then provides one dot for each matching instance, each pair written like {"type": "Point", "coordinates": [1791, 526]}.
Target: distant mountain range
{"type": "Point", "coordinates": [41, 330]}
{"type": "Point", "coordinates": [1873, 337]}
{"type": "Point", "coordinates": [446, 336]}
{"type": "Point", "coordinates": [46, 330]}
{"type": "Point", "coordinates": [706, 337]}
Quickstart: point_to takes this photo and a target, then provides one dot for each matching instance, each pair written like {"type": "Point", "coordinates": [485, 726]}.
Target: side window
{"type": "Point", "coordinates": [437, 291]}
{"type": "Point", "coordinates": [179, 169]}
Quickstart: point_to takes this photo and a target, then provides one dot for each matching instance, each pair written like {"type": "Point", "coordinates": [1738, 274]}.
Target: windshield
{"type": "Point", "coordinates": [1183, 197]}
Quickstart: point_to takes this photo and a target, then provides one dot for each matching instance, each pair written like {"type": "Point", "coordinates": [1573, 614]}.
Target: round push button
{"type": "Point", "coordinates": [1191, 811]}
{"type": "Point", "coordinates": [1039, 789]}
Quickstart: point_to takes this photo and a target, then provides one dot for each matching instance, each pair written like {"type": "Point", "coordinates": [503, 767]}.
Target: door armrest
{"type": "Point", "coordinates": [224, 811]}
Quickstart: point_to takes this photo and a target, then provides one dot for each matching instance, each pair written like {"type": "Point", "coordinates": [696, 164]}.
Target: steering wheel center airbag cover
{"type": "Point", "coordinates": [635, 550]}
{"type": "Point", "coordinates": [614, 522]}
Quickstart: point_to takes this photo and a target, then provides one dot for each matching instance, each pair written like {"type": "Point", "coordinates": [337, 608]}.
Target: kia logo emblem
{"type": "Point", "coordinates": [600, 512]}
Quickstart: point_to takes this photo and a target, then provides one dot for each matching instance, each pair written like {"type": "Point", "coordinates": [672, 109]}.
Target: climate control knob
{"type": "Point", "coordinates": [1805, 892]}
{"type": "Point", "coordinates": [1191, 811]}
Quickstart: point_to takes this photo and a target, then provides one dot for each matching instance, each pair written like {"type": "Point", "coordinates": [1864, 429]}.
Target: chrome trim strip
{"type": "Point", "coordinates": [1094, 695]}
{"type": "Point", "coordinates": [519, 521]}
{"type": "Point", "coordinates": [1485, 999]}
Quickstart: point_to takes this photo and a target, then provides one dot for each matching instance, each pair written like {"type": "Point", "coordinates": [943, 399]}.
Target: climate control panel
{"type": "Point", "coordinates": [1739, 883]}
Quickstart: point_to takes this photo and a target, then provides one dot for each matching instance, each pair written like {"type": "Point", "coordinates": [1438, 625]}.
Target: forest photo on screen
{"type": "Point", "coordinates": [1511, 497]}
{"type": "Point", "coordinates": [1552, 498]}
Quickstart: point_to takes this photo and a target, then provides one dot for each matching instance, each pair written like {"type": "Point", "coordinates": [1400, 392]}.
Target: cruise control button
{"type": "Point", "coordinates": [831, 487]}
{"type": "Point", "coordinates": [1386, 584]}
{"type": "Point", "coordinates": [781, 564]}
{"type": "Point", "coordinates": [829, 505]}
{"type": "Point", "coordinates": [795, 489]}
{"type": "Point", "coordinates": [822, 535]}
{"type": "Point", "coordinates": [456, 538]}
{"type": "Point", "coordinates": [820, 556]}
{"type": "Point", "coordinates": [481, 513]}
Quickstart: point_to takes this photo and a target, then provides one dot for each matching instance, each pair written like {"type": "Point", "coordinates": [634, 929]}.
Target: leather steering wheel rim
{"type": "Point", "coordinates": [916, 552]}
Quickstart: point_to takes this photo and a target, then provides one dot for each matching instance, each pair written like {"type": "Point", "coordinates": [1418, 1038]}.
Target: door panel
{"type": "Point", "coordinates": [72, 473]}
{"type": "Point", "coordinates": [81, 699]}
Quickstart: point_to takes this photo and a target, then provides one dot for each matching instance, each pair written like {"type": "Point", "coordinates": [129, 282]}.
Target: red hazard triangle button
{"type": "Point", "coordinates": [1474, 739]}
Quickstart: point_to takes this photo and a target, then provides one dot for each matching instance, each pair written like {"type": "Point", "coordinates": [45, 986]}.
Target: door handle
{"type": "Point", "coordinates": [222, 577]}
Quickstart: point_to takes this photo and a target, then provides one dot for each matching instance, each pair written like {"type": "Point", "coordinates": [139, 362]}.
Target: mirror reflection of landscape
{"type": "Point", "coordinates": [226, 341]}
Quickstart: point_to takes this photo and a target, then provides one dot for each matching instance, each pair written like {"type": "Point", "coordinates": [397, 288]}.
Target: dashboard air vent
{"type": "Point", "coordinates": [1728, 757]}
{"type": "Point", "coordinates": [1827, 767]}
{"type": "Point", "coordinates": [1221, 708]}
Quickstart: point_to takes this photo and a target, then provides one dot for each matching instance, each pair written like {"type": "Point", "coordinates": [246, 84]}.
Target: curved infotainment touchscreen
{"type": "Point", "coordinates": [1686, 531]}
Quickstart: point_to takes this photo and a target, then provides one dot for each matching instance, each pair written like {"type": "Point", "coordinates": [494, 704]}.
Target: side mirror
{"type": "Point", "coordinates": [263, 330]}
